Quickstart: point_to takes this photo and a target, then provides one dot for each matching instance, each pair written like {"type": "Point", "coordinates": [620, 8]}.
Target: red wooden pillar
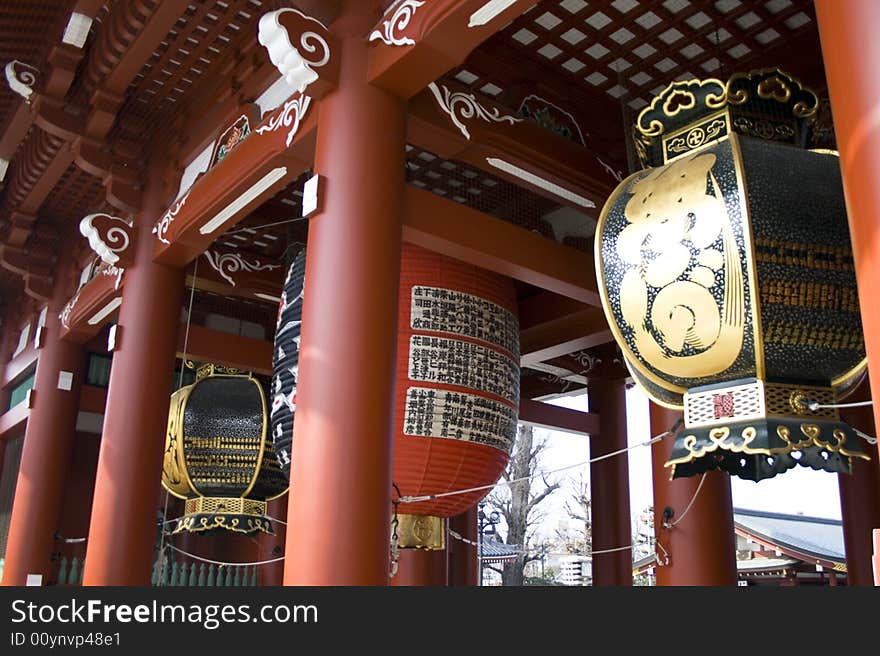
{"type": "Point", "coordinates": [341, 479]}
{"type": "Point", "coordinates": [462, 568]}
{"type": "Point", "coordinates": [860, 496]}
{"type": "Point", "coordinates": [851, 53]}
{"type": "Point", "coordinates": [272, 546]}
{"type": "Point", "coordinates": [420, 567]}
{"type": "Point", "coordinates": [701, 546]}
{"type": "Point", "coordinates": [123, 522]}
{"type": "Point", "coordinates": [46, 455]}
{"type": "Point", "coordinates": [609, 483]}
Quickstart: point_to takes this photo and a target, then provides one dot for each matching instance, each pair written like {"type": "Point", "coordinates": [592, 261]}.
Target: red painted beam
{"type": "Point", "coordinates": [217, 274]}
{"type": "Point", "coordinates": [554, 417]}
{"type": "Point", "coordinates": [15, 131]}
{"type": "Point", "coordinates": [92, 307]}
{"type": "Point", "coordinates": [452, 229]}
{"type": "Point", "coordinates": [14, 419]}
{"type": "Point", "coordinates": [441, 34]}
{"type": "Point", "coordinates": [563, 335]}
{"type": "Point", "coordinates": [510, 139]}
{"type": "Point", "coordinates": [276, 153]}
{"type": "Point", "coordinates": [207, 345]}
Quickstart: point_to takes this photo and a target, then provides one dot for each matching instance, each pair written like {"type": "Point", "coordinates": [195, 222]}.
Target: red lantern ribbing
{"type": "Point", "coordinates": [457, 392]}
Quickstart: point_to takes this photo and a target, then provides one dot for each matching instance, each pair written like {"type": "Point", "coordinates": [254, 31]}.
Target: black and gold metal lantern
{"type": "Point", "coordinates": [726, 274]}
{"type": "Point", "coordinates": [217, 456]}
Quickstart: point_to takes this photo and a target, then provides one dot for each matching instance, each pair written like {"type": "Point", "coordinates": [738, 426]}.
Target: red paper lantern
{"type": "Point", "coordinates": [457, 398]}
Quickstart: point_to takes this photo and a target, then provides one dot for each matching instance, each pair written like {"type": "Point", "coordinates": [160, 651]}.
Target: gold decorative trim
{"type": "Point", "coordinates": [259, 464]}
{"type": "Point", "coordinates": [680, 140]}
{"type": "Point", "coordinates": [749, 433]}
{"type": "Point", "coordinates": [421, 532]}
{"type": "Point", "coordinates": [197, 524]}
{"type": "Point", "coordinates": [175, 475]}
{"type": "Point", "coordinates": [674, 90]}
{"type": "Point", "coordinates": [225, 506]}
{"type": "Point", "coordinates": [751, 262]}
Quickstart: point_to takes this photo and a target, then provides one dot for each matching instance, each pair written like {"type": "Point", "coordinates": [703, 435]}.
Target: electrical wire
{"type": "Point", "coordinates": [480, 488]}
{"type": "Point", "coordinates": [690, 504]}
{"type": "Point", "coordinates": [218, 562]}
{"type": "Point", "coordinates": [246, 229]}
{"type": "Point", "coordinates": [814, 405]}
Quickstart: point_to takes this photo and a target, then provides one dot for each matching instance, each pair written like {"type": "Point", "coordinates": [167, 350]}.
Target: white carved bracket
{"type": "Point", "coordinates": [392, 30]}
{"type": "Point", "coordinates": [464, 106]}
{"type": "Point", "coordinates": [227, 264]}
{"type": "Point", "coordinates": [163, 224]}
{"type": "Point", "coordinates": [294, 111]}
{"type": "Point", "coordinates": [21, 78]}
{"type": "Point", "coordinates": [109, 236]}
{"type": "Point", "coordinates": [68, 309]}
{"type": "Point", "coordinates": [279, 30]}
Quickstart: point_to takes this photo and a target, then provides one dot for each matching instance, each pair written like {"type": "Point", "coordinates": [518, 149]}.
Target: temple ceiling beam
{"type": "Point", "coordinates": [455, 230]}
{"type": "Point", "coordinates": [456, 125]}
{"type": "Point", "coordinates": [416, 42]}
{"type": "Point", "coordinates": [552, 417]}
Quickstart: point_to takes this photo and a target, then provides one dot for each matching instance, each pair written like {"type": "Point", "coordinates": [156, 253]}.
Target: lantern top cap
{"type": "Point", "coordinates": [767, 103]}
{"type": "Point", "coordinates": [213, 369]}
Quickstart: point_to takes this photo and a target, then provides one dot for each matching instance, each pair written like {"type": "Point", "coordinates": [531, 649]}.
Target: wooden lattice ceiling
{"type": "Point", "coordinates": [603, 60]}
{"type": "Point", "coordinates": [599, 60]}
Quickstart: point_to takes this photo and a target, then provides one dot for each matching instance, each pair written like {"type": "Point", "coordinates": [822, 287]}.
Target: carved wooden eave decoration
{"type": "Point", "coordinates": [230, 273]}
{"type": "Point", "coordinates": [21, 78]}
{"type": "Point", "coordinates": [455, 125]}
{"type": "Point", "coordinates": [417, 41]}
{"type": "Point", "coordinates": [94, 305]}
{"type": "Point", "coordinates": [276, 153]}
{"type": "Point", "coordinates": [34, 265]}
{"type": "Point", "coordinates": [110, 237]}
{"type": "Point", "coordinates": [302, 49]}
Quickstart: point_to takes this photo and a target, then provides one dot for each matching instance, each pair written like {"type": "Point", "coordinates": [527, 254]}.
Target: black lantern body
{"type": "Point", "coordinates": [217, 456]}
{"type": "Point", "coordinates": [727, 277]}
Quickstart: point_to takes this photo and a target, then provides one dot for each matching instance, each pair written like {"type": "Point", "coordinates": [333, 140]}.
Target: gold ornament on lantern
{"type": "Point", "coordinates": [217, 456]}
{"type": "Point", "coordinates": [726, 274]}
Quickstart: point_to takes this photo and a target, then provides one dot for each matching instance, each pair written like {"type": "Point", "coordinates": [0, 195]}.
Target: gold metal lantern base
{"type": "Point", "coordinates": [756, 430]}
{"type": "Point", "coordinates": [239, 515]}
{"type": "Point", "coordinates": [421, 532]}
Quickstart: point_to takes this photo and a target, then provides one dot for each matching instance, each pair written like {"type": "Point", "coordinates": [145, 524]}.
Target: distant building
{"type": "Point", "coordinates": [777, 549]}
{"type": "Point", "coordinates": [575, 570]}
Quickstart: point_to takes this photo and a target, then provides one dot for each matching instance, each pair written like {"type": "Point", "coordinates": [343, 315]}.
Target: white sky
{"type": "Point", "coordinates": [799, 490]}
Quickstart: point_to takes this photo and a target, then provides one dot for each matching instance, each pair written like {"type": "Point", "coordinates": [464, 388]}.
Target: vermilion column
{"type": "Point", "coordinates": [272, 546]}
{"type": "Point", "coordinates": [851, 52]}
{"type": "Point", "coordinates": [860, 497]}
{"type": "Point", "coordinates": [701, 546]}
{"type": "Point", "coordinates": [340, 502]}
{"type": "Point", "coordinates": [419, 567]}
{"type": "Point", "coordinates": [123, 522]}
{"type": "Point", "coordinates": [609, 486]}
{"type": "Point", "coordinates": [463, 569]}
{"type": "Point", "coordinates": [45, 458]}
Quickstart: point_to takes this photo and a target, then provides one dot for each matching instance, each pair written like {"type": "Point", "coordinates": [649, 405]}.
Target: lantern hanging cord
{"type": "Point", "coordinates": [458, 536]}
{"type": "Point", "coordinates": [480, 488]}
{"type": "Point", "coordinates": [689, 506]}
{"type": "Point", "coordinates": [219, 562]}
{"type": "Point", "coordinates": [265, 225]}
{"type": "Point", "coordinates": [815, 405]}
{"type": "Point", "coordinates": [867, 438]}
